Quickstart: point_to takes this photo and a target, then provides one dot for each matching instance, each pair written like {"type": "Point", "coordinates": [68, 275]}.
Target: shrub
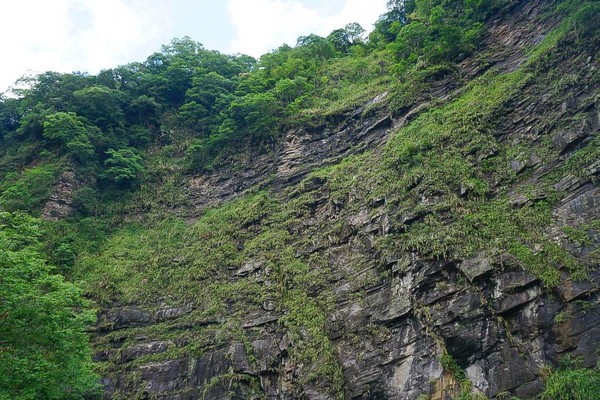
{"type": "Point", "coordinates": [572, 384]}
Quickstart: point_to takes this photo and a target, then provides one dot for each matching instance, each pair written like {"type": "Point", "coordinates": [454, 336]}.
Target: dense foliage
{"type": "Point", "coordinates": [572, 382]}
{"type": "Point", "coordinates": [44, 351]}
{"type": "Point", "coordinates": [223, 102]}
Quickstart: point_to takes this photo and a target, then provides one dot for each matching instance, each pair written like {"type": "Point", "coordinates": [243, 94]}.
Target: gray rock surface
{"type": "Point", "coordinates": [393, 312]}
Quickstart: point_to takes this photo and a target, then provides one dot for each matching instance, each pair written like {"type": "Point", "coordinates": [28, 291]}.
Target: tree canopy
{"type": "Point", "coordinates": [44, 351]}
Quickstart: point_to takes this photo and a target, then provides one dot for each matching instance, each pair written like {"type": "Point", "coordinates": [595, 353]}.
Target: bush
{"type": "Point", "coordinates": [258, 114]}
{"type": "Point", "coordinates": [123, 166]}
{"type": "Point", "coordinates": [204, 154]}
{"type": "Point", "coordinates": [29, 190]}
{"type": "Point", "coordinates": [572, 384]}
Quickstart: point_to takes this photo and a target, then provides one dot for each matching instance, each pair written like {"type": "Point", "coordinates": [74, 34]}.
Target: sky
{"type": "Point", "coordinates": [91, 35]}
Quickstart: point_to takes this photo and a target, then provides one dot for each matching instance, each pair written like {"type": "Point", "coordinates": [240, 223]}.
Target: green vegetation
{"type": "Point", "coordinates": [571, 382]}
{"type": "Point", "coordinates": [140, 264]}
{"type": "Point", "coordinates": [133, 136]}
{"type": "Point", "coordinates": [44, 351]}
{"type": "Point", "coordinates": [29, 189]}
{"type": "Point", "coordinates": [222, 103]}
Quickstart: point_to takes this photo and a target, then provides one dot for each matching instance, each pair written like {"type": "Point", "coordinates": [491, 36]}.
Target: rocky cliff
{"type": "Point", "coordinates": [396, 251]}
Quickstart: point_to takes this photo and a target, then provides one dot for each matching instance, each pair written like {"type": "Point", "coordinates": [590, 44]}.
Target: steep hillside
{"type": "Point", "coordinates": [428, 231]}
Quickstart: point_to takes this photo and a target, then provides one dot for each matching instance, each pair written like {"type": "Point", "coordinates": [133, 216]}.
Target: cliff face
{"type": "Point", "coordinates": [393, 274]}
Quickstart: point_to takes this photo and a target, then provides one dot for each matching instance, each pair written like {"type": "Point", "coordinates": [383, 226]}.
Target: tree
{"type": "Point", "coordinates": [287, 90]}
{"type": "Point", "coordinates": [207, 88]}
{"type": "Point", "coordinates": [70, 133]}
{"type": "Point", "coordinates": [53, 89]}
{"type": "Point", "coordinates": [169, 73]}
{"type": "Point", "coordinates": [258, 114]}
{"type": "Point", "coordinates": [143, 110]}
{"type": "Point", "coordinates": [28, 190]}
{"type": "Point", "coordinates": [344, 38]}
{"type": "Point", "coordinates": [398, 12]}
{"type": "Point", "coordinates": [314, 46]}
{"type": "Point", "coordinates": [62, 127]}
{"type": "Point", "coordinates": [102, 106]}
{"type": "Point", "coordinates": [411, 39]}
{"type": "Point", "coordinates": [123, 166]}
{"type": "Point", "coordinates": [44, 351]}
{"type": "Point", "coordinates": [9, 115]}
{"type": "Point", "coordinates": [80, 148]}
{"type": "Point", "coordinates": [193, 116]}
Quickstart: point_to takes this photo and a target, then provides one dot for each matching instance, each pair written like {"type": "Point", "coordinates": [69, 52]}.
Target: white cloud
{"type": "Point", "coordinates": [69, 35]}
{"type": "Point", "coordinates": [88, 35]}
{"type": "Point", "coordinates": [263, 25]}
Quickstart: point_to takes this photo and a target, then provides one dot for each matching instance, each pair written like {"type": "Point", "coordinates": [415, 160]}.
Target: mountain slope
{"type": "Point", "coordinates": [437, 237]}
